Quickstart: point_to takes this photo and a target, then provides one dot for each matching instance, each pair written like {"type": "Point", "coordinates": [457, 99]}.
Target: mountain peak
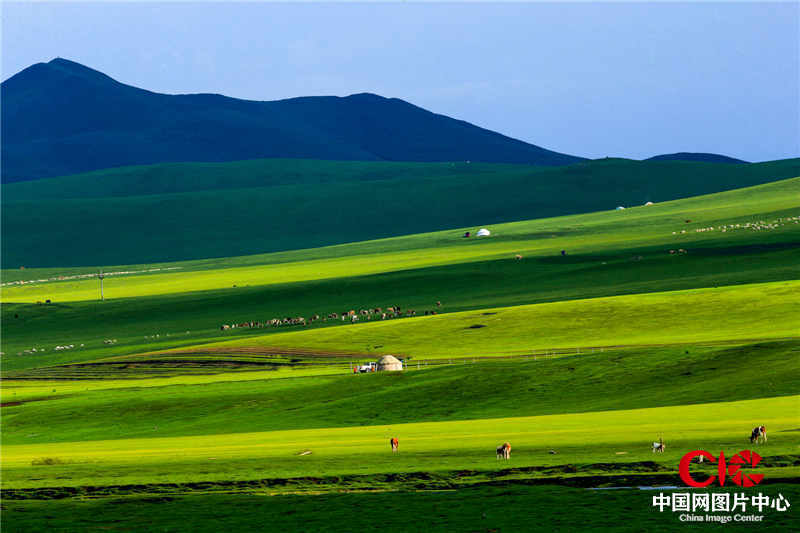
{"type": "Point", "coordinates": [77, 69]}
{"type": "Point", "coordinates": [366, 96]}
{"type": "Point", "coordinates": [57, 113]}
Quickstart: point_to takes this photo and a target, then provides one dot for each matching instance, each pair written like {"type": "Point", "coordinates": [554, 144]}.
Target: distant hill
{"type": "Point", "coordinates": [63, 118]}
{"type": "Point", "coordinates": [695, 156]}
{"type": "Point", "coordinates": [171, 212]}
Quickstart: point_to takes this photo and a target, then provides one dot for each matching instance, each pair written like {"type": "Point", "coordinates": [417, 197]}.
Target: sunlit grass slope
{"type": "Point", "coordinates": [757, 311]}
{"type": "Point", "coordinates": [239, 402]}
{"type": "Point", "coordinates": [437, 446]}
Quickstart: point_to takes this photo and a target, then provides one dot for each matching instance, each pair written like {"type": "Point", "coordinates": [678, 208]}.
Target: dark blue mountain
{"type": "Point", "coordinates": [62, 118]}
{"type": "Point", "coordinates": [695, 156]}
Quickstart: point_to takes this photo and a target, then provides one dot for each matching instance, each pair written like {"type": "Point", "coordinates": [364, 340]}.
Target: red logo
{"type": "Point", "coordinates": [731, 469]}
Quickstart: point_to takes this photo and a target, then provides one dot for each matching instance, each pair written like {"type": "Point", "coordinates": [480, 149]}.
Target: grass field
{"type": "Point", "coordinates": [321, 397]}
{"type": "Point", "coordinates": [609, 253]}
{"type": "Point", "coordinates": [579, 439]}
{"type": "Point", "coordinates": [581, 361]}
{"type": "Point", "coordinates": [493, 508]}
{"type": "Point", "coordinates": [197, 211]}
{"type": "Point", "coordinates": [757, 311]}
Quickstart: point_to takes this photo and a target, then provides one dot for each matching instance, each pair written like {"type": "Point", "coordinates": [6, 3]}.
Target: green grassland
{"type": "Point", "coordinates": [582, 361]}
{"type": "Point", "coordinates": [197, 211]}
{"type": "Point", "coordinates": [485, 509]}
{"type": "Point", "coordinates": [609, 253]}
{"type": "Point", "coordinates": [324, 397]}
{"type": "Point", "coordinates": [579, 439]}
{"type": "Point", "coordinates": [757, 311]}
{"type": "Point", "coordinates": [630, 230]}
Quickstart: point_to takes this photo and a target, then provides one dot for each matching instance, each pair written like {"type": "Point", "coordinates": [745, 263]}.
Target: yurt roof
{"type": "Point", "coordinates": [388, 359]}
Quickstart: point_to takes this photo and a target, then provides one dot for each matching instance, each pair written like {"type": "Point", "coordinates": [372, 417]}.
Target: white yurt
{"type": "Point", "coordinates": [389, 362]}
{"type": "Point", "coordinates": [483, 232]}
{"type": "Point", "coordinates": [648, 203]}
{"type": "Point", "coordinates": [620, 208]}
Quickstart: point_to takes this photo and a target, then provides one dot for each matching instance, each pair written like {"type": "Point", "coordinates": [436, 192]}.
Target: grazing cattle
{"type": "Point", "coordinates": [759, 433]}
{"type": "Point", "coordinates": [504, 451]}
{"type": "Point", "coordinates": [517, 257]}
{"type": "Point", "coordinates": [672, 252]}
{"type": "Point", "coordinates": [659, 446]}
{"type": "Point", "coordinates": [395, 443]}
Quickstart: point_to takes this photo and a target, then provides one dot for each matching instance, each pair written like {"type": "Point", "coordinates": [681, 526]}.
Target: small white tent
{"type": "Point", "coordinates": [620, 208]}
{"type": "Point", "coordinates": [483, 232]}
{"type": "Point", "coordinates": [648, 203]}
{"type": "Point", "coordinates": [388, 362]}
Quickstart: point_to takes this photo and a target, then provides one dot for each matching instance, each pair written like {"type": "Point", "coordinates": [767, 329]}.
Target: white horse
{"type": "Point", "coordinates": [658, 446]}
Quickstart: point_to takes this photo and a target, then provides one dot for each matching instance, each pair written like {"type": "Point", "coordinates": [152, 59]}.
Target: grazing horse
{"type": "Point", "coordinates": [659, 446]}
{"type": "Point", "coordinates": [504, 451]}
{"type": "Point", "coordinates": [395, 443]}
{"type": "Point", "coordinates": [758, 433]}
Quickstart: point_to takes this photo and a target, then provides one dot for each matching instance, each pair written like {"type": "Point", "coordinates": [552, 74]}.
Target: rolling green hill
{"type": "Point", "coordinates": [233, 402]}
{"type": "Point", "coordinates": [757, 311]}
{"type": "Point", "coordinates": [609, 253]}
{"type": "Point", "coordinates": [193, 211]}
{"type": "Point", "coordinates": [695, 156]}
{"type": "Point", "coordinates": [153, 404]}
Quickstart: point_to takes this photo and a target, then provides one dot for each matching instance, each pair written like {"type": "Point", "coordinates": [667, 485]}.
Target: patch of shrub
{"type": "Point", "coordinates": [47, 461]}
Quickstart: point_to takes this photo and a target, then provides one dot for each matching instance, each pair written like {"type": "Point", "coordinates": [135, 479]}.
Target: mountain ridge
{"type": "Point", "coordinates": [696, 156]}
{"type": "Point", "coordinates": [63, 117]}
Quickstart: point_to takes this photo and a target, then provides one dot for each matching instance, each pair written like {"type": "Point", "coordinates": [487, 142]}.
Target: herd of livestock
{"type": "Point", "coordinates": [352, 316]}
{"type": "Point", "coordinates": [758, 225]}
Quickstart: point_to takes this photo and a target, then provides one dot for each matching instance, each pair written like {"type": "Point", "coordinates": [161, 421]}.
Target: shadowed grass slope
{"type": "Point", "coordinates": [187, 216]}
{"type": "Point", "coordinates": [488, 509]}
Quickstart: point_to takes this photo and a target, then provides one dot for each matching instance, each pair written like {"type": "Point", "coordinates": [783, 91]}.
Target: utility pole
{"type": "Point", "coordinates": [100, 277]}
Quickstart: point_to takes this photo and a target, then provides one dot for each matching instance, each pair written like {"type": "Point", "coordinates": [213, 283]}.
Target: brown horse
{"type": "Point", "coordinates": [504, 451]}
{"type": "Point", "coordinates": [395, 443]}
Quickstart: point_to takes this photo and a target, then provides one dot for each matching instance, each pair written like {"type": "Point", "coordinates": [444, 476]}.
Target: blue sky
{"type": "Point", "coordinates": [627, 79]}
